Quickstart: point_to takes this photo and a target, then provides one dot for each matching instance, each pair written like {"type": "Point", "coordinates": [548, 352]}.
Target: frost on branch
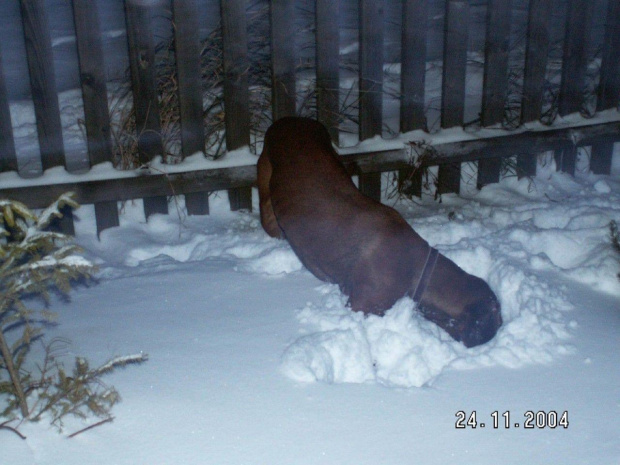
{"type": "Point", "coordinates": [54, 210]}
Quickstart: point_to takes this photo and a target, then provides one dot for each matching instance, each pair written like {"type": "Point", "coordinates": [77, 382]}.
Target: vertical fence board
{"type": "Point", "coordinates": [236, 79]}
{"type": "Point", "coordinates": [187, 49]}
{"type": "Point", "coordinates": [93, 80]}
{"type": "Point", "coordinates": [94, 95]}
{"type": "Point", "coordinates": [410, 181]}
{"type": "Point", "coordinates": [44, 96]}
{"type": "Point", "coordinates": [106, 215]}
{"type": "Point", "coordinates": [489, 170]}
{"type": "Point", "coordinates": [43, 82]}
{"type": "Point", "coordinates": [526, 164]}
{"type": "Point", "coordinates": [282, 15]}
{"type": "Point", "coordinates": [575, 58]}
{"type": "Point", "coordinates": [8, 157]}
{"type": "Point", "coordinates": [327, 63]}
{"type": "Point", "coordinates": [454, 63]}
{"type": "Point", "coordinates": [495, 81]}
{"type": "Point", "coordinates": [240, 198]}
{"type": "Point", "coordinates": [370, 83]}
{"type": "Point", "coordinates": [370, 184]}
{"type": "Point", "coordinates": [64, 224]}
{"type": "Point", "coordinates": [449, 178]}
{"type": "Point", "coordinates": [236, 88]}
{"type": "Point", "coordinates": [565, 160]}
{"type": "Point", "coordinates": [609, 87]}
{"type": "Point", "coordinates": [600, 157]}
{"type": "Point", "coordinates": [536, 52]}
{"type": "Point", "coordinates": [413, 65]}
{"type": "Point", "coordinates": [453, 83]}
{"type": "Point", "coordinates": [370, 68]}
{"type": "Point", "coordinates": [144, 89]}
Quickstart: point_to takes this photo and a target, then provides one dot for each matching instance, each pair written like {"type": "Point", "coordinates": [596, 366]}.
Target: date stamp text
{"type": "Point", "coordinates": [540, 419]}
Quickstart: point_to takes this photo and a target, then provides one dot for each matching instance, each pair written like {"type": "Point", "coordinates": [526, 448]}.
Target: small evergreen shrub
{"type": "Point", "coordinates": [33, 262]}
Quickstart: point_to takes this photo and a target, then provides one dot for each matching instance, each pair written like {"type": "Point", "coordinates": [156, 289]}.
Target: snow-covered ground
{"type": "Point", "coordinates": [255, 361]}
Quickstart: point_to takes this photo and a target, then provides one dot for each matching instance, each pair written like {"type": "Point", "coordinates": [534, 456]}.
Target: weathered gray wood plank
{"type": "Point", "coordinates": [359, 163]}
{"type": "Point", "coordinates": [370, 68]}
{"type": "Point", "coordinates": [496, 52]}
{"type": "Point", "coordinates": [609, 87]}
{"type": "Point", "coordinates": [413, 65]}
{"type": "Point", "coordinates": [454, 63]}
{"type": "Point", "coordinates": [601, 157]}
{"type": "Point", "coordinates": [536, 53]}
{"type": "Point", "coordinates": [489, 170]}
{"type": "Point", "coordinates": [43, 82]}
{"type": "Point", "coordinates": [144, 89]}
{"type": "Point", "coordinates": [370, 83]}
{"type": "Point", "coordinates": [575, 58]}
{"type": "Point", "coordinates": [93, 80]}
{"type": "Point", "coordinates": [95, 97]}
{"type": "Point", "coordinates": [187, 49]}
{"type": "Point", "coordinates": [327, 64]}
{"type": "Point", "coordinates": [236, 87]}
{"type": "Point", "coordinates": [283, 58]}
{"type": "Point", "coordinates": [8, 157]}
{"type": "Point", "coordinates": [453, 83]}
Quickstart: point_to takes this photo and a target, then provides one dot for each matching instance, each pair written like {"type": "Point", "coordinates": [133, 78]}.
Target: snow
{"type": "Point", "coordinates": [253, 360]}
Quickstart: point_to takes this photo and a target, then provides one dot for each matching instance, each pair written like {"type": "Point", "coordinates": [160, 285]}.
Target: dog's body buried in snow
{"type": "Point", "coordinates": [344, 237]}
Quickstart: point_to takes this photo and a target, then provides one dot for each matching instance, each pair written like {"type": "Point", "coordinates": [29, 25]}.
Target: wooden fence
{"type": "Point", "coordinates": [196, 185]}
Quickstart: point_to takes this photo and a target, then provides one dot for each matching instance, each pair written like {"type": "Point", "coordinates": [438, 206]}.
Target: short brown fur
{"type": "Point", "coordinates": [343, 237]}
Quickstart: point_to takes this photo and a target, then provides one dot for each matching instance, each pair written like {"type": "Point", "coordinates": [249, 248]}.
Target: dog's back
{"type": "Point", "coordinates": [339, 234]}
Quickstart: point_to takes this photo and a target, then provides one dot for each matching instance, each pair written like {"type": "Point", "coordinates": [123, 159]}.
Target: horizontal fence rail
{"type": "Point", "coordinates": [239, 78]}
{"type": "Point", "coordinates": [360, 163]}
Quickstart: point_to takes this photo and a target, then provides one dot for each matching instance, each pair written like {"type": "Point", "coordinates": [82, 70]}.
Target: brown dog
{"type": "Point", "coordinates": [367, 248]}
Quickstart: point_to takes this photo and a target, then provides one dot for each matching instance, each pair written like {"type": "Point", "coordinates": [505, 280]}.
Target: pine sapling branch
{"type": "Point", "coordinates": [5, 425]}
{"type": "Point", "coordinates": [89, 427]}
{"type": "Point", "coordinates": [14, 375]}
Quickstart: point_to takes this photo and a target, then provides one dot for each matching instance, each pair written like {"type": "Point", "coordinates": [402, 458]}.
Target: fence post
{"type": "Point", "coordinates": [412, 83]}
{"type": "Point", "coordinates": [187, 49]}
{"type": "Point", "coordinates": [370, 84]}
{"type": "Point", "coordinates": [575, 59]}
{"type": "Point", "coordinates": [43, 82]}
{"type": "Point", "coordinates": [601, 157]}
{"type": "Point", "coordinates": [496, 53]}
{"type": "Point", "coordinates": [453, 84]}
{"type": "Point", "coordinates": [144, 88]}
{"type": "Point", "coordinates": [94, 95]}
{"type": "Point", "coordinates": [44, 96]}
{"type": "Point", "coordinates": [609, 87]}
{"type": "Point", "coordinates": [327, 63]}
{"type": "Point", "coordinates": [565, 159]}
{"type": "Point", "coordinates": [536, 51]}
{"type": "Point", "coordinates": [8, 157]}
{"type": "Point", "coordinates": [236, 88]}
{"type": "Point", "coordinates": [454, 63]}
{"type": "Point", "coordinates": [282, 16]}
{"type": "Point", "coordinates": [495, 81]}
{"type": "Point", "coordinates": [574, 66]}
{"type": "Point", "coordinates": [413, 65]}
